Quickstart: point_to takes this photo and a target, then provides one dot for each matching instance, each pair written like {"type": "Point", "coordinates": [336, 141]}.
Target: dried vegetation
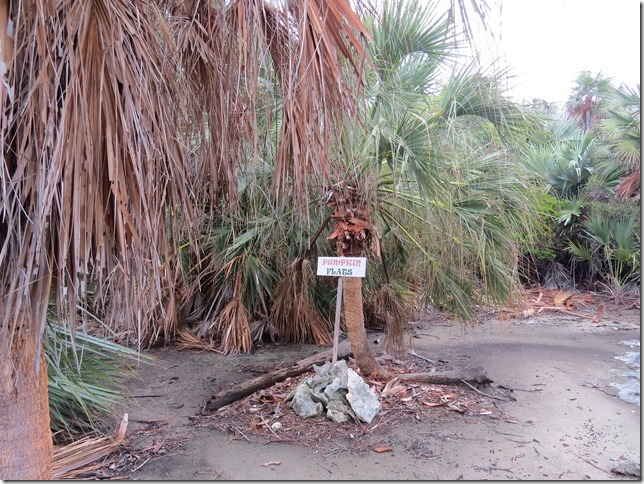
{"type": "Point", "coordinates": [253, 417]}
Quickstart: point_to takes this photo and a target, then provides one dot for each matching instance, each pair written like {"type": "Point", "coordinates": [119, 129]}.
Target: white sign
{"type": "Point", "coordinates": [342, 266]}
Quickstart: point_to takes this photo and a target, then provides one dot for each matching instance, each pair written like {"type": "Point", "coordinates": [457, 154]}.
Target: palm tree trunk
{"type": "Point", "coordinates": [354, 320]}
{"type": "Point", "coordinates": [26, 449]}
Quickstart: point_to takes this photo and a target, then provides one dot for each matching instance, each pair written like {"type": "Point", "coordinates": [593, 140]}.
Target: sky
{"type": "Point", "coordinates": [546, 43]}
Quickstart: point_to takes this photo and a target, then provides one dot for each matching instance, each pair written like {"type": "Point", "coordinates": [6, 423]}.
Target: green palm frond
{"type": "Point", "coordinates": [581, 251]}
{"type": "Point", "coordinates": [598, 228]}
{"type": "Point", "coordinates": [621, 130]}
{"type": "Point", "coordinates": [625, 235]}
{"type": "Point", "coordinates": [572, 211]}
{"type": "Point", "coordinates": [85, 378]}
{"type": "Point", "coordinates": [411, 41]}
{"type": "Point", "coordinates": [471, 92]}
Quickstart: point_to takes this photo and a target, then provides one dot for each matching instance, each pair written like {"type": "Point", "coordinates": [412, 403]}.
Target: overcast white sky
{"type": "Point", "coordinates": [548, 42]}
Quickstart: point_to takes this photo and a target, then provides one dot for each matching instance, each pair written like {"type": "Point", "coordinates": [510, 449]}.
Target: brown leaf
{"type": "Point", "coordinates": [334, 235]}
{"type": "Point", "coordinates": [363, 224]}
{"type": "Point", "coordinates": [561, 297]}
{"type": "Point", "coordinates": [383, 449]}
{"type": "Point", "coordinates": [392, 388]}
{"type": "Point", "coordinates": [600, 311]}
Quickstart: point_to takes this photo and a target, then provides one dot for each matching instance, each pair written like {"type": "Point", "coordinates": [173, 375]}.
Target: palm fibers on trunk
{"type": "Point", "coordinates": [387, 308]}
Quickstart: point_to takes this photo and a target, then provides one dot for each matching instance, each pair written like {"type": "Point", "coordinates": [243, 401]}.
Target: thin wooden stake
{"type": "Point", "coordinates": [336, 329]}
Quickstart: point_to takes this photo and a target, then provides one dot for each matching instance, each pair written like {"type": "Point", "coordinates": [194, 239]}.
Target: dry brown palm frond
{"type": "Point", "coordinates": [387, 310]}
{"type": "Point", "coordinates": [261, 327]}
{"type": "Point", "coordinates": [293, 314]}
{"type": "Point", "coordinates": [73, 459]}
{"type": "Point", "coordinates": [561, 297]}
{"type": "Point", "coordinates": [233, 324]}
{"type": "Point", "coordinates": [225, 50]}
{"type": "Point", "coordinates": [630, 186]}
{"type": "Point", "coordinates": [186, 340]}
{"type": "Point", "coordinates": [315, 90]}
{"type": "Point", "coordinates": [89, 159]}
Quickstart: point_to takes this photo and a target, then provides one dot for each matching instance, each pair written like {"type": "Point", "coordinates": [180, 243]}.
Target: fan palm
{"type": "Point", "coordinates": [588, 98]}
{"type": "Point", "coordinates": [621, 133]}
{"type": "Point", "coordinates": [424, 159]}
{"type": "Point", "coordinates": [100, 103]}
{"type": "Point", "coordinates": [429, 166]}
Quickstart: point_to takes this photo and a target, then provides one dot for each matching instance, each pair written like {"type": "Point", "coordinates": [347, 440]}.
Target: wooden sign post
{"type": "Point", "coordinates": [341, 267]}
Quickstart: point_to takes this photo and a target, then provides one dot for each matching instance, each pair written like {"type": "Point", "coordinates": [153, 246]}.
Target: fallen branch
{"type": "Point", "coordinates": [453, 377]}
{"type": "Point", "coordinates": [413, 353]}
{"type": "Point", "coordinates": [503, 399]}
{"type": "Point", "coordinates": [230, 395]}
{"type": "Point", "coordinates": [563, 310]}
{"type": "Point", "coordinates": [589, 462]}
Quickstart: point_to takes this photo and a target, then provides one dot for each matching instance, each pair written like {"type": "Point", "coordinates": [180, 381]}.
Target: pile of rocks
{"type": "Point", "coordinates": [334, 388]}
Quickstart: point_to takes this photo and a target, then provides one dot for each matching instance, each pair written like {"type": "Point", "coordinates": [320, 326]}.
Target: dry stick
{"type": "Point", "coordinates": [588, 462]}
{"type": "Point", "coordinates": [412, 352]}
{"type": "Point", "coordinates": [597, 387]}
{"type": "Point", "coordinates": [317, 234]}
{"type": "Point", "coordinates": [562, 310]}
{"type": "Point", "coordinates": [488, 395]}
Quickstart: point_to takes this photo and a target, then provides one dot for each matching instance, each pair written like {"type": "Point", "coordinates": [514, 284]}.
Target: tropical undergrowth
{"type": "Point", "coordinates": [86, 377]}
{"type": "Point", "coordinates": [433, 167]}
{"type": "Point", "coordinates": [588, 175]}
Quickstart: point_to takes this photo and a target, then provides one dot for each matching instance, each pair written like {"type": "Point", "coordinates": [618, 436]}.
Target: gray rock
{"type": "Point", "coordinates": [302, 402]}
{"type": "Point", "coordinates": [333, 388]}
{"type": "Point", "coordinates": [336, 416]}
{"type": "Point", "coordinates": [339, 379]}
{"type": "Point", "coordinates": [363, 401]}
{"type": "Point", "coordinates": [330, 378]}
{"type": "Point", "coordinates": [627, 469]}
{"type": "Point", "coordinates": [337, 409]}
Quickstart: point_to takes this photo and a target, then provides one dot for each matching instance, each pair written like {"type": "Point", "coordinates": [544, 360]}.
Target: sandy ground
{"type": "Point", "coordinates": [567, 421]}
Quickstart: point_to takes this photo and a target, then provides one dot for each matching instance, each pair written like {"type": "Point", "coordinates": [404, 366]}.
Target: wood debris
{"type": "Point", "coordinates": [120, 461]}
{"type": "Point", "coordinates": [538, 300]}
{"type": "Point", "coordinates": [253, 416]}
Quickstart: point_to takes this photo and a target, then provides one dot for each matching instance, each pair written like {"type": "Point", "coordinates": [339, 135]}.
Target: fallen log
{"type": "Point", "coordinates": [452, 377]}
{"type": "Point", "coordinates": [229, 395]}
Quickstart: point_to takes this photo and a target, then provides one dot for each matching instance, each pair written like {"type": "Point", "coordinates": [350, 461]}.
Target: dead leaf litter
{"type": "Point", "coordinates": [254, 416]}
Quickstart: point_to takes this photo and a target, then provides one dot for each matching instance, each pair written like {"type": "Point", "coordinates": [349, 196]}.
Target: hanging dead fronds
{"type": "Point", "coordinates": [386, 309]}
{"type": "Point", "coordinates": [315, 90]}
{"type": "Point", "coordinates": [226, 50]}
{"type": "Point", "coordinates": [233, 323]}
{"type": "Point", "coordinates": [89, 164]}
{"type": "Point", "coordinates": [293, 314]}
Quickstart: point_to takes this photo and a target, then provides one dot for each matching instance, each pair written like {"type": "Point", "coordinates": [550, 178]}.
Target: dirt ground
{"type": "Point", "coordinates": [552, 411]}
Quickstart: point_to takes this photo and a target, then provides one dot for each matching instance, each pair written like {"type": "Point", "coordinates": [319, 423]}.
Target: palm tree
{"type": "Point", "coordinates": [99, 103]}
{"type": "Point", "coordinates": [587, 100]}
{"type": "Point", "coordinates": [620, 132]}
{"type": "Point", "coordinates": [429, 166]}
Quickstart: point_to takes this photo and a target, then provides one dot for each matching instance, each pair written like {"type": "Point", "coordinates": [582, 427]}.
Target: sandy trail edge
{"type": "Point", "coordinates": [570, 429]}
